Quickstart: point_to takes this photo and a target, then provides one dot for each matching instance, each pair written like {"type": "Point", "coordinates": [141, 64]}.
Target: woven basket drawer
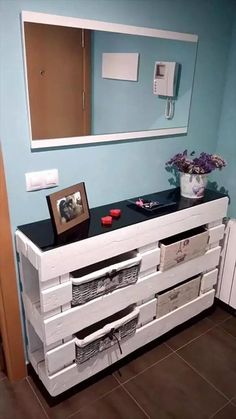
{"type": "Point", "coordinates": [177, 296]}
{"type": "Point", "coordinates": [104, 277]}
{"type": "Point", "coordinates": [106, 333]}
{"type": "Point", "coordinates": [183, 247]}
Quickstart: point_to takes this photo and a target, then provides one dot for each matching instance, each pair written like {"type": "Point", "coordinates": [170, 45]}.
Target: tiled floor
{"type": "Point", "coordinates": [188, 375]}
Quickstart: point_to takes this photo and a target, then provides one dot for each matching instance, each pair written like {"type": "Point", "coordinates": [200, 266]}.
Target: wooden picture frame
{"type": "Point", "coordinates": [68, 207]}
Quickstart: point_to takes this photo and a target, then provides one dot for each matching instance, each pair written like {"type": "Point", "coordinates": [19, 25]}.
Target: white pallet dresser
{"type": "Point", "coordinates": [46, 263]}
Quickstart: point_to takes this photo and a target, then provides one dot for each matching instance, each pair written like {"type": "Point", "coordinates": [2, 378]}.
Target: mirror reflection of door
{"type": "Point", "coordinates": [58, 67]}
{"type": "Point", "coordinates": [2, 359]}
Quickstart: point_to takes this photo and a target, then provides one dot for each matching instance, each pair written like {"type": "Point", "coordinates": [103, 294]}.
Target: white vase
{"type": "Point", "coordinates": [192, 186]}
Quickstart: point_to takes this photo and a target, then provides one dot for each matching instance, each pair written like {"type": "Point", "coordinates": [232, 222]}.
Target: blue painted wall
{"type": "Point", "coordinates": [227, 130]}
{"type": "Point", "coordinates": [131, 105]}
{"type": "Point", "coordinates": [111, 171]}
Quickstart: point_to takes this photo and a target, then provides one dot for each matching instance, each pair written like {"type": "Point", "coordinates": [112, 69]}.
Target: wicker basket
{"type": "Point", "coordinates": [108, 332]}
{"type": "Point", "coordinates": [104, 277]}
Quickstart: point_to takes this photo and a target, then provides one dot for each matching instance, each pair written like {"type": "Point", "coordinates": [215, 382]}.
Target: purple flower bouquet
{"type": "Point", "coordinates": [203, 164]}
{"type": "Point", "coordinates": [194, 170]}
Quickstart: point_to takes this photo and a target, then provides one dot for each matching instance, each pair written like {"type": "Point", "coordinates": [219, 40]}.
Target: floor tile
{"type": "Point", "coordinates": [213, 355]}
{"type": "Point", "coordinates": [230, 326]}
{"type": "Point", "coordinates": [116, 405]}
{"type": "Point", "coordinates": [142, 362]}
{"type": "Point", "coordinates": [218, 315]}
{"type": "Point", "coordinates": [76, 398]}
{"type": "Point", "coordinates": [171, 389]}
{"type": "Point", "coordinates": [17, 401]}
{"type": "Point", "coordinates": [228, 412]}
{"type": "Point", "coordinates": [185, 335]}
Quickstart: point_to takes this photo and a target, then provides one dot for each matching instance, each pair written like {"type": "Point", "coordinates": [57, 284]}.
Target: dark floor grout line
{"type": "Point", "coordinates": [228, 333]}
{"type": "Point", "coordinates": [232, 401]}
{"type": "Point", "coordinates": [144, 370]}
{"type": "Point", "coordinates": [136, 402]}
{"type": "Point", "coordinates": [219, 410]}
{"type": "Point", "coordinates": [211, 321]}
{"type": "Point", "coordinates": [41, 405]}
{"type": "Point", "coordinates": [204, 378]}
{"type": "Point", "coordinates": [114, 376]}
{"type": "Point", "coordinates": [94, 401]}
{"type": "Point", "coordinates": [192, 340]}
{"type": "Point", "coordinates": [221, 321]}
{"type": "Point", "coordinates": [166, 344]}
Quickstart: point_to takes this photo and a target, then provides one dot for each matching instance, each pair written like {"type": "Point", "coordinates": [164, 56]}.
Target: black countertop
{"type": "Point", "coordinates": [41, 233]}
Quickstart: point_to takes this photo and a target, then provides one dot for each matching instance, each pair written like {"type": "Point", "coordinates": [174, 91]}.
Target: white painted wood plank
{"type": "Point", "coordinates": [65, 259]}
{"type": "Point", "coordinates": [227, 264]}
{"type": "Point", "coordinates": [35, 358]}
{"type": "Point", "coordinates": [75, 22]}
{"type": "Point", "coordinates": [224, 245]}
{"type": "Point", "coordinates": [216, 233]}
{"type": "Point", "coordinates": [58, 357]}
{"type": "Point", "coordinates": [77, 318]}
{"type": "Point", "coordinates": [232, 301]}
{"type": "Point", "coordinates": [150, 259]}
{"type": "Point", "coordinates": [146, 300]}
{"type": "Point", "coordinates": [214, 223]}
{"type": "Point", "coordinates": [147, 247]}
{"type": "Point", "coordinates": [147, 312]}
{"type": "Point", "coordinates": [21, 246]}
{"type": "Point", "coordinates": [50, 283]}
{"type": "Point", "coordinates": [28, 248]}
{"type": "Point", "coordinates": [50, 313]}
{"type": "Point", "coordinates": [52, 345]}
{"type": "Point", "coordinates": [72, 375]}
{"type": "Point", "coordinates": [56, 296]}
{"type": "Point", "coordinates": [208, 280]}
{"type": "Point", "coordinates": [64, 278]}
{"type": "Point", "coordinates": [148, 272]}
{"type": "Point", "coordinates": [33, 315]}
{"type": "Point", "coordinates": [94, 139]}
{"type": "Point", "coordinates": [34, 342]}
{"type": "Point", "coordinates": [29, 278]}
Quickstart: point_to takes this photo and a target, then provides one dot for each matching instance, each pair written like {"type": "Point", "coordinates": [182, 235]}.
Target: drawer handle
{"type": "Point", "coordinates": [112, 274]}
{"type": "Point", "coordinates": [112, 335]}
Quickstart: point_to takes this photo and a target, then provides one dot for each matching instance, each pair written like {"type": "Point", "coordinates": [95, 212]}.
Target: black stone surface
{"type": "Point", "coordinates": [41, 233]}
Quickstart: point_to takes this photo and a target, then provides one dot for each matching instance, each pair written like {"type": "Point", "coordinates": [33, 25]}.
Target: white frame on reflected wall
{"type": "Point", "coordinates": [73, 22]}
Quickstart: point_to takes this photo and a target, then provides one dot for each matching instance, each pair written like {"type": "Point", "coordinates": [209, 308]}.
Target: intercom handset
{"type": "Point", "coordinates": [165, 78]}
{"type": "Point", "coordinates": [165, 83]}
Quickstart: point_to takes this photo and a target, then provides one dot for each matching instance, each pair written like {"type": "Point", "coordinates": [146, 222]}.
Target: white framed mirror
{"type": "Point", "coordinates": [115, 86]}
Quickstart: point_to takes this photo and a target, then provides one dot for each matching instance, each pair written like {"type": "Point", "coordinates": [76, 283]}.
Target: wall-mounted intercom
{"type": "Point", "coordinates": [165, 83]}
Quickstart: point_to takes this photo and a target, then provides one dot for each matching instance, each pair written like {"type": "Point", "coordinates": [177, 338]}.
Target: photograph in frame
{"type": "Point", "coordinates": [68, 207]}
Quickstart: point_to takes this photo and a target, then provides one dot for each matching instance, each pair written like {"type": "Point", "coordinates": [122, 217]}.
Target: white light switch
{"type": "Point", "coordinates": [51, 178]}
{"type": "Point", "coordinates": [36, 180]}
{"type": "Point", "coordinates": [41, 180]}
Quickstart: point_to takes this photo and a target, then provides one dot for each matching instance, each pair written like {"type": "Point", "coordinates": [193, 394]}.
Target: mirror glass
{"type": "Point", "coordinates": [123, 106]}
{"type": "Point", "coordinates": [112, 101]}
